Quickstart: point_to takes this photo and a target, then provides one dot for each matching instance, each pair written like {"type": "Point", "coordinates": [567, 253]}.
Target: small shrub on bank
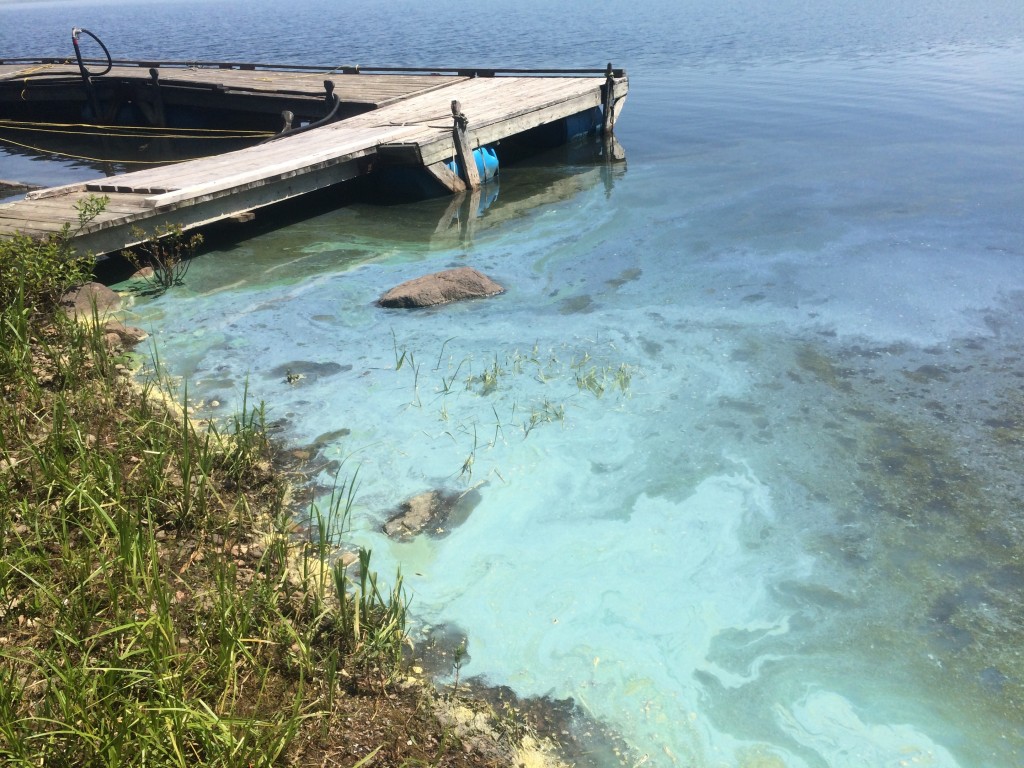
{"type": "Point", "coordinates": [168, 254]}
{"type": "Point", "coordinates": [36, 273]}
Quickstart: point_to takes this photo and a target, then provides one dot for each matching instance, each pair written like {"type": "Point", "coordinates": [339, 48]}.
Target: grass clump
{"type": "Point", "coordinates": [158, 605]}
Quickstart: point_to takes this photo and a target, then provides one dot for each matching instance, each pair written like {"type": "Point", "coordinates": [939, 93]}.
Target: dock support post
{"type": "Point", "coordinates": [159, 119]}
{"type": "Point", "coordinates": [330, 100]}
{"type": "Point", "coordinates": [463, 150]}
{"type": "Point", "coordinates": [608, 104]}
{"type": "Point", "coordinates": [94, 102]}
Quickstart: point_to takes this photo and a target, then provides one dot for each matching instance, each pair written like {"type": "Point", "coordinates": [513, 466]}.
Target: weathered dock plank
{"type": "Point", "coordinates": [287, 162]}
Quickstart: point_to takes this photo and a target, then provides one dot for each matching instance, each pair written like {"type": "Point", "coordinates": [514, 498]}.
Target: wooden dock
{"type": "Point", "coordinates": [394, 119]}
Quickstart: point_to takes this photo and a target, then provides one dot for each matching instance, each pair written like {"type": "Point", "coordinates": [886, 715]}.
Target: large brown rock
{"type": "Point", "coordinates": [79, 302]}
{"type": "Point", "coordinates": [441, 288]}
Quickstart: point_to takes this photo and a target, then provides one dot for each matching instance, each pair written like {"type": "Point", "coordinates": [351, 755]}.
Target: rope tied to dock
{"type": "Point", "coordinates": [114, 131]}
{"type": "Point", "coordinates": [25, 73]}
{"type": "Point", "coordinates": [95, 159]}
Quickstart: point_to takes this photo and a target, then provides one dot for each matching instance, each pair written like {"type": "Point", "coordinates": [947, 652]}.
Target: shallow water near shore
{"type": "Point", "coordinates": [746, 425]}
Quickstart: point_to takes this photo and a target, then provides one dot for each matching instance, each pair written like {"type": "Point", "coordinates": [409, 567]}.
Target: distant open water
{"type": "Point", "coordinates": [788, 531]}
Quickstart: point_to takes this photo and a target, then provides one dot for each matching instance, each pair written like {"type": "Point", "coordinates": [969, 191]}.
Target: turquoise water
{"type": "Point", "coordinates": [746, 426]}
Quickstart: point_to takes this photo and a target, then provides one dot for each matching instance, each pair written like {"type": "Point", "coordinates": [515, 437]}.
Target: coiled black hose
{"type": "Point", "coordinates": [78, 53]}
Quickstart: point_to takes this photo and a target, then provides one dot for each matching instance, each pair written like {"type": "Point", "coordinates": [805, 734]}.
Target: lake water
{"type": "Point", "coordinates": [745, 431]}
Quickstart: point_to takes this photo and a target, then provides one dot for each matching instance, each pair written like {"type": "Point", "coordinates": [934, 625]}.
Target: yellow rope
{"type": "Point", "coordinates": [27, 72]}
{"type": "Point", "coordinates": [224, 133]}
{"type": "Point", "coordinates": [94, 159]}
{"type": "Point", "coordinates": [112, 135]}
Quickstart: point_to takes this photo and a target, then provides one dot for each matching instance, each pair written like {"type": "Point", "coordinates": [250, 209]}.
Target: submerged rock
{"type": "Point", "coordinates": [80, 302]}
{"type": "Point", "coordinates": [441, 288]}
{"type": "Point", "coordinates": [308, 370]}
{"type": "Point", "coordinates": [432, 512]}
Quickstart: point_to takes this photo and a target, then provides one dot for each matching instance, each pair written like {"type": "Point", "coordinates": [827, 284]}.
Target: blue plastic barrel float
{"type": "Point", "coordinates": [486, 163]}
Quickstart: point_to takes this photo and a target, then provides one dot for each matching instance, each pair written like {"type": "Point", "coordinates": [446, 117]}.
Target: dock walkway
{"type": "Point", "coordinates": [407, 120]}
